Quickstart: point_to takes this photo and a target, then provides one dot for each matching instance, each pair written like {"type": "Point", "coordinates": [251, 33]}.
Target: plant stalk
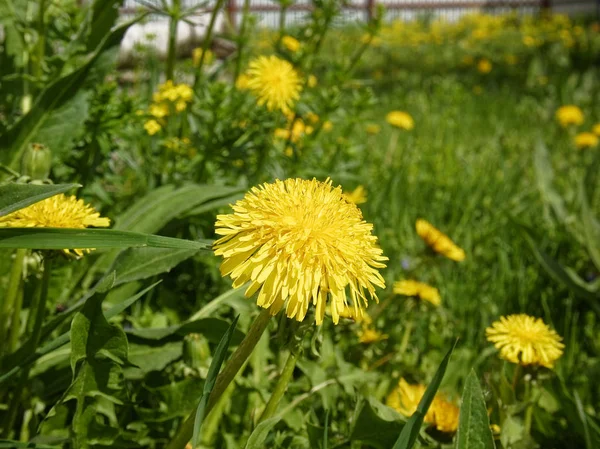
{"type": "Point", "coordinates": [241, 354]}
{"type": "Point", "coordinates": [174, 14]}
{"type": "Point", "coordinates": [241, 40]}
{"type": "Point", "coordinates": [12, 292]}
{"type": "Point", "coordinates": [207, 39]}
{"type": "Point", "coordinates": [280, 387]}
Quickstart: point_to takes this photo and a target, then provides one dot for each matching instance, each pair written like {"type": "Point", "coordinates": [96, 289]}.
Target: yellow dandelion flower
{"type": "Point", "coordinates": [291, 43]}
{"type": "Point", "coordinates": [438, 241]}
{"type": "Point", "coordinates": [312, 117]}
{"type": "Point", "coordinates": [586, 140]}
{"type": "Point", "coordinates": [275, 82]}
{"type": "Point", "coordinates": [442, 414]}
{"type": "Point", "coordinates": [369, 335]}
{"type": "Point", "coordinates": [596, 129]}
{"type": "Point", "coordinates": [525, 340]}
{"type": "Point", "coordinates": [296, 242]}
{"type": "Point", "coordinates": [569, 115]}
{"type": "Point", "coordinates": [197, 55]}
{"type": "Point", "coordinates": [373, 129]}
{"type": "Point", "coordinates": [159, 110]}
{"type": "Point", "coordinates": [312, 81]}
{"type": "Point", "coordinates": [357, 196]}
{"type": "Point", "coordinates": [58, 211]}
{"type": "Point", "coordinates": [327, 126]}
{"type": "Point", "coordinates": [484, 66]}
{"type": "Point", "coordinates": [180, 106]}
{"type": "Point", "coordinates": [152, 127]}
{"type": "Point", "coordinates": [400, 119]}
{"type": "Point", "coordinates": [423, 291]}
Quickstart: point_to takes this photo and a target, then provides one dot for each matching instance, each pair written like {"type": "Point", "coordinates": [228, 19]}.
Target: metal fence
{"type": "Point", "coordinates": [267, 11]}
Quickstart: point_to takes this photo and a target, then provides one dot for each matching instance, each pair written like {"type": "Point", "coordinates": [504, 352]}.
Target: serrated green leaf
{"type": "Point", "coordinates": [17, 196]}
{"type": "Point", "coordinates": [474, 425]}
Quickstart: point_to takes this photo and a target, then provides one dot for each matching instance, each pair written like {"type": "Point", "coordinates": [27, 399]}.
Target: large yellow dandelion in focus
{"type": "Point", "coordinates": [438, 241]}
{"type": "Point", "coordinates": [442, 414]}
{"type": "Point", "coordinates": [275, 82]}
{"type": "Point", "coordinates": [525, 340]}
{"type": "Point", "coordinates": [569, 115]}
{"type": "Point", "coordinates": [300, 242]}
{"type": "Point", "coordinates": [58, 211]}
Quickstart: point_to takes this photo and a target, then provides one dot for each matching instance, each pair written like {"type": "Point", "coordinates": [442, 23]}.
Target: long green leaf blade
{"type": "Point", "coordinates": [474, 425]}
{"type": "Point", "coordinates": [17, 196]}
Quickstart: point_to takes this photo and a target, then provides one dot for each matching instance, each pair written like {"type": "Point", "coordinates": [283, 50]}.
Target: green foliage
{"type": "Point", "coordinates": [474, 425]}
{"type": "Point", "coordinates": [17, 196]}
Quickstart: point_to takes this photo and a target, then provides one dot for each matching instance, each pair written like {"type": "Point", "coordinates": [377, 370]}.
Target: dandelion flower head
{"type": "Point", "coordinates": [442, 414]}
{"type": "Point", "coordinates": [370, 335]}
{"type": "Point", "coordinates": [291, 43]}
{"type": "Point", "coordinates": [484, 66]}
{"type": "Point", "coordinates": [438, 241]}
{"type": "Point", "coordinates": [58, 211]}
{"type": "Point", "coordinates": [569, 115]}
{"type": "Point", "coordinates": [299, 242]}
{"type": "Point", "coordinates": [275, 82]}
{"type": "Point", "coordinates": [400, 119]}
{"type": "Point", "coordinates": [586, 140]}
{"type": "Point", "coordinates": [525, 340]}
{"type": "Point", "coordinates": [420, 290]}
{"type": "Point", "coordinates": [596, 129]}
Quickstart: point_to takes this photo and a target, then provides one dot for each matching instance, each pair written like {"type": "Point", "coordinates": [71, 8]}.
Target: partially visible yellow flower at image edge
{"type": "Point", "coordinates": [586, 140]}
{"type": "Point", "coordinates": [275, 82]}
{"type": "Point", "coordinates": [596, 129]}
{"type": "Point", "coordinates": [442, 413]}
{"type": "Point", "coordinates": [400, 119]}
{"type": "Point", "coordinates": [58, 211]}
{"type": "Point", "coordinates": [421, 290]}
{"type": "Point", "coordinates": [291, 43]}
{"type": "Point", "coordinates": [297, 243]}
{"type": "Point", "coordinates": [484, 66]}
{"type": "Point", "coordinates": [438, 241]}
{"type": "Point", "coordinates": [569, 115]}
{"type": "Point", "coordinates": [357, 196]}
{"type": "Point", "coordinates": [525, 340]}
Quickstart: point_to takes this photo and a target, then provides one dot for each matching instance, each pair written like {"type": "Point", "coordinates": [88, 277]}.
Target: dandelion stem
{"type": "Point", "coordinates": [241, 40]}
{"type": "Point", "coordinates": [12, 292]}
{"type": "Point", "coordinates": [516, 376]}
{"type": "Point", "coordinates": [280, 387]}
{"type": "Point", "coordinates": [207, 40]}
{"type": "Point", "coordinates": [241, 354]}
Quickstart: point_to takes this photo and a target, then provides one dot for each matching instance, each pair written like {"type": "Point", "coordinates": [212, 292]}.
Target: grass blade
{"type": "Point", "coordinates": [17, 196]}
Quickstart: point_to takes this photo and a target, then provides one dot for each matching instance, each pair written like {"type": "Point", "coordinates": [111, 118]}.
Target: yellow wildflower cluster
{"type": "Point", "coordinates": [209, 57]}
{"type": "Point", "coordinates": [169, 98]}
{"type": "Point", "coordinates": [570, 116]}
{"type": "Point", "coordinates": [442, 414]}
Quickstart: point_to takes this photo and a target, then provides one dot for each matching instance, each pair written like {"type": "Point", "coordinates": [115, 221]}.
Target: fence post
{"type": "Point", "coordinates": [370, 5]}
{"type": "Point", "coordinates": [231, 12]}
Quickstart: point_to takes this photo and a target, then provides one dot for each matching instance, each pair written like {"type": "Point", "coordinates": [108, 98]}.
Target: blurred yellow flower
{"type": "Point", "coordinates": [298, 130]}
{"type": "Point", "coordinates": [529, 41]}
{"type": "Point", "coordinates": [373, 129]}
{"type": "Point", "coordinates": [419, 289]}
{"type": "Point", "coordinates": [58, 211]}
{"type": "Point", "coordinates": [369, 335]}
{"type": "Point", "coordinates": [159, 110]}
{"type": "Point", "coordinates": [300, 242]}
{"type": "Point", "coordinates": [467, 60]}
{"type": "Point", "coordinates": [484, 66]}
{"type": "Point", "coordinates": [242, 82]}
{"type": "Point", "coordinates": [477, 90]}
{"type": "Point", "coordinates": [291, 43]}
{"type": "Point", "coordinates": [357, 196]}
{"type": "Point", "coordinates": [442, 414]}
{"type": "Point", "coordinates": [197, 55]}
{"type": "Point", "coordinates": [438, 241]}
{"type": "Point", "coordinates": [327, 126]}
{"type": "Point", "coordinates": [569, 115]}
{"type": "Point", "coordinates": [152, 127]}
{"type": "Point", "coordinates": [596, 129]}
{"type": "Point", "coordinates": [312, 117]}
{"type": "Point", "coordinates": [400, 119]}
{"type": "Point", "coordinates": [275, 82]}
{"type": "Point", "coordinates": [586, 140]}
{"type": "Point", "coordinates": [511, 59]}
{"type": "Point", "coordinates": [312, 81]}
{"type": "Point", "coordinates": [525, 340]}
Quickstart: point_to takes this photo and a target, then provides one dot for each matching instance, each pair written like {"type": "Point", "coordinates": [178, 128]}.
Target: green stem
{"type": "Point", "coordinates": [15, 324]}
{"type": "Point", "coordinates": [529, 408]}
{"type": "Point", "coordinates": [207, 39]}
{"type": "Point", "coordinates": [243, 351]}
{"type": "Point", "coordinates": [241, 40]}
{"type": "Point", "coordinates": [280, 387]}
{"type": "Point", "coordinates": [41, 44]}
{"type": "Point", "coordinates": [14, 283]}
{"type": "Point", "coordinates": [516, 377]}
{"type": "Point", "coordinates": [172, 51]}
{"type": "Point", "coordinates": [405, 337]}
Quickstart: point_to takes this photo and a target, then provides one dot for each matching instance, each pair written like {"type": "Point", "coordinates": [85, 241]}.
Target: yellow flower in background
{"type": "Point", "coordinates": [152, 127]}
{"type": "Point", "coordinates": [58, 211]}
{"type": "Point", "coordinates": [159, 110]}
{"type": "Point", "coordinates": [369, 335]}
{"type": "Point", "coordinates": [421, 290]}
{"type": "Point", "coordinates": [357, 196]}
{"type": "Point", "coordinates": [275, 82]}
{"type": "Point", "coordinates": [525, 340]}
{"type": "Point", "coordinates": [327, 126]}
{"type": "Point", "coordinates": [291, 43]}
{"type": "Point", "coordinates": [197, 55]}
{"type": "Point", "coordinates": [586, 140]}
{"type": "Point", "coordinates": [400, 119]}
{"type": "Point", "coordinates": [477, 90]}
{"type": "Point", "coordinates": [438, 241]}
{"type": "Point", "coordinates": [511, 59]}
{"type": "Point", "coordinates": [442, 414]}
{"type": "Point", "coordinates": [242, 82]}
{"type": "Point", "coordinates": [596, 129]}
{"type": "Point", "coordinates": [184, 92]}
{"type": "Point", "coordinates": [359, 315]}
{"type": "Point", "coordinates": [312, 81]}
{"type": "Point", "coordinates": [312, 117]}
{"type": "Point", "coordinates": [300, 242]}
{"type": "Point", "coordinates": [468, 60]}
{"type": "Point", "coordinates": [484, 66]}
{"type": "Point", "coordinates": [299, 129]}
{"type": "Point", "coordinates": [569, 115]}
{"type": "Point", "coordinates": [373, 129]}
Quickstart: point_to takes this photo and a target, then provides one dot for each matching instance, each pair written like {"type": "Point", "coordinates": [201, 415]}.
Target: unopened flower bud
{"type": "Point", "coordinates": [37, 161]}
